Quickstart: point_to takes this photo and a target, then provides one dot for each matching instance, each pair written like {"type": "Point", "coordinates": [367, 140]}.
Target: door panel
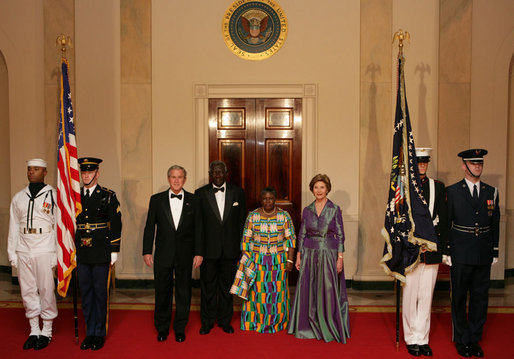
{"type": "Point", "coordinates": [260, 141]}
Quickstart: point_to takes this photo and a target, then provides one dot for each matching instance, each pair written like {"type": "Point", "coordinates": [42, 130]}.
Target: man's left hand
{"type": "Point", "coordinates": [495, 260]}
{"type": "Point", "coordinates": [197, 261]}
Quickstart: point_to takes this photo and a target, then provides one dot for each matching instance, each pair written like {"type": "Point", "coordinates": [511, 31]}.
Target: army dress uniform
{"type": "Point", "coordinates": [473, 239]}
{"type": "Point", "coordinates": [98, 234]}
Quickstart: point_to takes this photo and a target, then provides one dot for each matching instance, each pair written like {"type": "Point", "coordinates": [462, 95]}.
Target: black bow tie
{"type": "Point", "coordinates": [216, 189]}
{"type": "Point", "coordinates": [173, 195]}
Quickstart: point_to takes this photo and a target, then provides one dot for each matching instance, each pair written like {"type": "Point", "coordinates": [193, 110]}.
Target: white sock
{"type": "Point", "coordinates": [34, 326]}
{"type": "Point", "coordinates": [47, 328]}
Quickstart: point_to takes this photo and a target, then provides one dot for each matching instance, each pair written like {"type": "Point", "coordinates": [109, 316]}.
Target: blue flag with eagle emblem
{"type": "Point", "coordinates": [408, 224]}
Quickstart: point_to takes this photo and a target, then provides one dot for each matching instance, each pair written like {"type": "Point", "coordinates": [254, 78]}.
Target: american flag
{"type": "Point", "coordinates": [68, 187]}
{"type": "Point", "coordinates": [408, 224]}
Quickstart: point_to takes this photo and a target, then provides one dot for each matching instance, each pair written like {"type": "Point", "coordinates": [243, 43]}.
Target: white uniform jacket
{"type": "Point", "coordinates": [32, 223]}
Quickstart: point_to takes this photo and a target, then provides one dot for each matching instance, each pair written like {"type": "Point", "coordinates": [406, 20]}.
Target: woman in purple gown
{"type": "Point", "coordinates": [320, 308]}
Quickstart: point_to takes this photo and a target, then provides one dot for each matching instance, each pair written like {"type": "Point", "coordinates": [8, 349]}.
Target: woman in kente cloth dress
{"type": "Point", "coordinates": [320, 307]}
{"type": "Point", "coordinates": [268, 244]}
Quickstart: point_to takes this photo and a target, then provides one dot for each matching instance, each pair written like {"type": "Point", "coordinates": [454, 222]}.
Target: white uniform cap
{"type": "Point", "coordinates": [36, 162]}
{"type": "Point", "coordinates": [423, 151]}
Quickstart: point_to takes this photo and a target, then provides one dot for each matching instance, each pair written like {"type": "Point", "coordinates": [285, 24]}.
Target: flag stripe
{"type": "Point", "coordinates": [68, 187]}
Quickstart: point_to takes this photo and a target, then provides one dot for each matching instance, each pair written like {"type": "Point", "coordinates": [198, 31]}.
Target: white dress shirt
{"type": "Point", "coordinates": [176, 207]}
{"type": "Point", "coordinates": [220, 198]}
{"type": "Point", "coordinates": [470, 186]}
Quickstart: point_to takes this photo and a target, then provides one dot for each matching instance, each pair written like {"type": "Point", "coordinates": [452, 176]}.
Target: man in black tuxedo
{"type": "Point", "coordinates": [474, 219]}
{"type": "Point", "coordinates": [223, 214]}
{"type": "Point", "coordinates": [172, 221]}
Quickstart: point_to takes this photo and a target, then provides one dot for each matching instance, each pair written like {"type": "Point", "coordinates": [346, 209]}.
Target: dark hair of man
{"type": "Point", "coordinates": [217, 163]}
{"type": "Point", "coordinates": [271, 190]}
{"type": "Point", "coordinates": [177, 167]}
{"type": "Point", "coordinates": [320, 178]}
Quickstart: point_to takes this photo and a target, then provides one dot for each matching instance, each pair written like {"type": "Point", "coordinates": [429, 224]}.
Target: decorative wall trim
{"type": "Point", "coordinates": [307, 92]}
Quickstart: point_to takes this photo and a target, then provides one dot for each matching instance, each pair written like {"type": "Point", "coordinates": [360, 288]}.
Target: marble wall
{"type": "Point", "coordinates": [136, 63]}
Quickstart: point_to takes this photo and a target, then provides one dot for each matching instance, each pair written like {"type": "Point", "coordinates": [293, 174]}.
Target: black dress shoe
{"type": "Point", "coordinates": [42, 342]}
{"type": "Point", "coordinates": [228, 329]}
{"type": "Point", "coordinates": [205, 330]}
{"type": "Point", "coordinates": [98, 343]}
{"type": "Point", "coordinates": [162, 336]}
{"type": "Point", "coordinates": [87, 343]}
{"type": "Point", "coordinates": [413, 349]}
{"type": "Point", "coordinates": [30, 343]}
{"type": "Point", "coordinates": [475, 350]}
{"type": "Point", "coordinates": [425, 350]}
{"type": "Point", "coordinates": [180, 337]}
{"type": "Point", "coordinates": [463, 350]}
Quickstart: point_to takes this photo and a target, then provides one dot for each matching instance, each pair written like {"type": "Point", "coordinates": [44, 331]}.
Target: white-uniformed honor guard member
{"type": "Point", "coordinates": [32, 246]}
{"type": "Point", "coordinates": [420, 283]}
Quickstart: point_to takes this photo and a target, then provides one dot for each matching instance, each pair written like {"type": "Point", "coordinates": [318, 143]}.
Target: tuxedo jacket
{"type": "Point", "coordinates": [440, 216]}
{"type": "Point", "coordinates": [173, 246]}
{"type": "Point", "coordinates": [221, 237]}
{"type": "Point", "coordinates": [469, 247]}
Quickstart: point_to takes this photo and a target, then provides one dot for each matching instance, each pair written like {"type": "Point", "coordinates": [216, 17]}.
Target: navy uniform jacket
{"type": "Point", "coordinates": [173, 246]}
{"type": "Point", "coordinates": [102, 207]}
{"type": "Point", "coordinates": [441, 216]}
{"type": "Point", "coordinates": [474, 228]}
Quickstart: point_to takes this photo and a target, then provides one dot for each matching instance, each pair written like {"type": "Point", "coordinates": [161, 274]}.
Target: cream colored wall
{"type": "Point", "coordinates": [22, 48]}
{"type": "Point", "coordinates": [189, 52]}
{"type": "Point", "coordinates": [5, 168]}
{"type": "Point", "coordinates": [335, 45]}
{"type": "Point", "coordinates": [509, 206]}
{"type": "Point", "coordinates": [492, 51]}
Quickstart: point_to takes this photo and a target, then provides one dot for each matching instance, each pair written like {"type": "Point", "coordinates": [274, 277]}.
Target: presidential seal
{"type": "Point", "coordinates": [254, 29]}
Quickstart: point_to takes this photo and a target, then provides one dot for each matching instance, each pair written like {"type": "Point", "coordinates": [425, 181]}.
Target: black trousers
{"type": "Point", "coordinates": [216, 278]}
{"type": "Point", "coordinates": [165, 277]}
{"type": "Point", "coordinates": [473, 280]}
{"type": "Point", "coordinates": [92, 280]}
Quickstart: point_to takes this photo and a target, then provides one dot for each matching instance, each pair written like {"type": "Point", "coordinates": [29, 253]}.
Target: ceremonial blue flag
{"type": "Point", "coordinates": [408, 224]}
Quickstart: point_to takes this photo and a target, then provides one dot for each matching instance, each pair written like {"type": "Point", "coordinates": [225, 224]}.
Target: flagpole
{"type": "Point", "coordinates": [75, 310]}
{"type": "Point", "coordinates": [64, 42]}
{"type": "Point", "coordinates": [401, 37]}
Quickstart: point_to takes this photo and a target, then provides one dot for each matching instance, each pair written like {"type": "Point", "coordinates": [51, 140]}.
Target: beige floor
{"type": "Point", "coordinates": [375, 300]}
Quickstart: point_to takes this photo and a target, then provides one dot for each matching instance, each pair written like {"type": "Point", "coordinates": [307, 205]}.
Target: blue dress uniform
{"type": "Point", "coordinates": [473, 239]}
{"type": "Point", "coordinates": [98, 234]}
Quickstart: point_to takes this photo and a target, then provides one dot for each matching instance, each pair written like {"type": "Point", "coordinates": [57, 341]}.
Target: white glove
{"type": "Point", "coordinates": [447, 260]}
{"type": "Point", "coordinates": [54, 261]}
{"type": "Point", "coordinates": [14, 262]}
{"type": "Point", "coordinates": [495, 260]}
{"type": "Point", "coordinates": [114, 257]}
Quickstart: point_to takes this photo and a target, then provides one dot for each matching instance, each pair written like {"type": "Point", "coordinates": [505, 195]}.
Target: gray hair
{"type": "Point", "coordinates": [218, 163]}
{"type": "Point", "coordinates": [177, 167]}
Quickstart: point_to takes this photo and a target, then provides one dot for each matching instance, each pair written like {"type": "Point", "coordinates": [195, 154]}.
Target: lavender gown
{"type": "Point", "coordinates": [320, 307]}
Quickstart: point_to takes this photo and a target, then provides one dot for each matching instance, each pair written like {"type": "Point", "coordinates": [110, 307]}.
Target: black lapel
{"type": "Point", "coordinates": [228, 202]}
{"type": "Point", "coordinates": [167, 209]}
{"type": "Point", "coordinates": [212, 201]}
{"type": "Point", "coordinates": [482, 196]}
{"type": "Point", "coordinates": [467, 194]}
{"type": "Point", "coordinates": [186, 203]}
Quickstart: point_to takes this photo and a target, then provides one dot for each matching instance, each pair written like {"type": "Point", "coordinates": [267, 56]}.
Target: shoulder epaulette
{"type": "Point", "coordinates": [106, 189]}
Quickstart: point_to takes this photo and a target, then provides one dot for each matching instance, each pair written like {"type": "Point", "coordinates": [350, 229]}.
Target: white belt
{"type": "Point", "coordinates": [25, 230]}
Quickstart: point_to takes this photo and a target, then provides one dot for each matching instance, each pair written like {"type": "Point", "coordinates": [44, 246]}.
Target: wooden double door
{"type": "Point", "coordinates": [260, 140]}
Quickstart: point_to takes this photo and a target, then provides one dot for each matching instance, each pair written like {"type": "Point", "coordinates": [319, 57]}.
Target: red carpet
{"type": "Point", "coordinates": [132, 336]}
